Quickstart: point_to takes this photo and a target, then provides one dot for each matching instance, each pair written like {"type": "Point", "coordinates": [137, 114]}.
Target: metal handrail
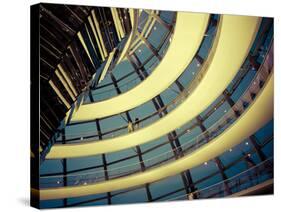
{"type": "Point", "coordinates": [255, 175]}
{"type": "Point", "coordinates": [212, 132]}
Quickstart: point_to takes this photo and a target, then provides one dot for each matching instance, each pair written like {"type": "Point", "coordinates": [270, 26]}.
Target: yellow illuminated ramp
{"type": "Point", "coordinates": [256, 116]}
{"type": "Point", "coordinates": [232, 46]}
{"type": "Point", "coordinates": [189, 32]}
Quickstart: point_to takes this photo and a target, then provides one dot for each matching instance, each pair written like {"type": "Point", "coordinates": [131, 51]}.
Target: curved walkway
{"type": "Point", "coordinates": [189, 32]}
{"type": "Point", "coordinates": [244, 127]}
{"type": "Point", "coordinates": [212, 85]}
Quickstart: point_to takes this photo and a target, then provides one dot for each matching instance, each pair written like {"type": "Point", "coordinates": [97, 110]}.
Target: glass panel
{"type": "Point", "coordinates": [165, 186]}
{"type": "Point", "coordinates": [135, 196]}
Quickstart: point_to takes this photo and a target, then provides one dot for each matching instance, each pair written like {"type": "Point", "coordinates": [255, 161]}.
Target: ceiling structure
{"type": "Point", "coordinates": [153, 105]}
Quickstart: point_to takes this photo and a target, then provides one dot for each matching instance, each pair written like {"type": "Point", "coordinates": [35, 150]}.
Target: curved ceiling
{"type": "Point", "coordinates": [239, 131]}
{"type": "Point", "coordinates": [236, 36]}
{"type": "Point", "coordinates": [188, 34]}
